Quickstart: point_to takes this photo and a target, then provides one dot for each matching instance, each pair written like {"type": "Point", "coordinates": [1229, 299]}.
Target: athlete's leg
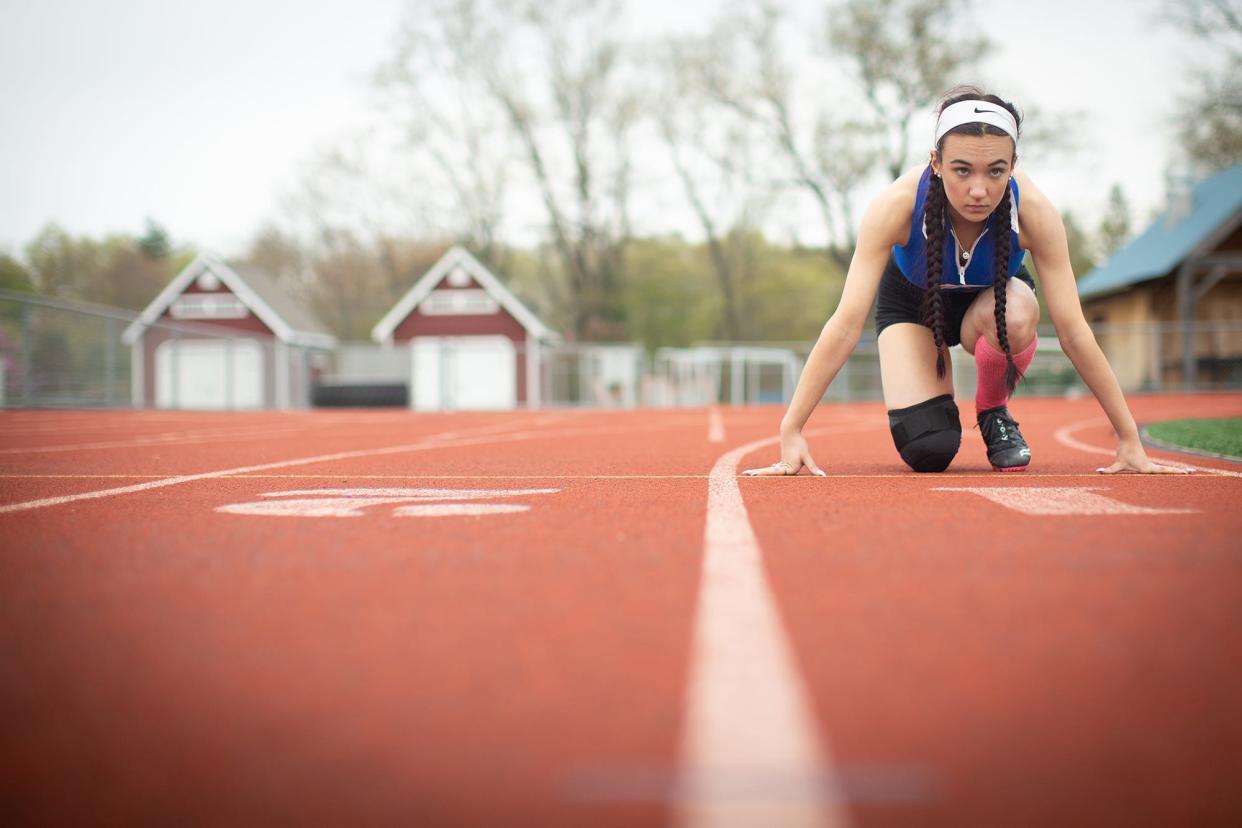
{"type": "Point", "coordinates": [908, 366]}
{"type": "Point", "coordinates": [922, 415]}
{"type": "Point", "coordinates": [979, 338]}
{"type": "Point", "coordinates": [1021, 318]}
{"type": "Point", "coordinates": [1007, 450]}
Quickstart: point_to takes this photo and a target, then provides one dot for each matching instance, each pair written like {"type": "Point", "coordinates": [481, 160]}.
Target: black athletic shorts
{"type": "Point", "coordinates": [901, 301]}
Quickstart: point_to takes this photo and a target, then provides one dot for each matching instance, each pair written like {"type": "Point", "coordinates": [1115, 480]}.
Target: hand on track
{"type": "Point", "coordinates": [1133, 460]}
{"type": "Point", "coordinates": [794, 455]}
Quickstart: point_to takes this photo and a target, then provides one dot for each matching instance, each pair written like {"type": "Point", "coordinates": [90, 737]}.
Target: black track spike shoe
{"type": "Point", "coordinates": [1007, 450]}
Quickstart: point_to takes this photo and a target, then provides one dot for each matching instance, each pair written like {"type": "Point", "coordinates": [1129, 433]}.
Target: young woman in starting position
{"type": "Point", "coordinates": [943, 246]}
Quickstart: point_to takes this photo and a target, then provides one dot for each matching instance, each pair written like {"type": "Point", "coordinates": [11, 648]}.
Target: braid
{"type": "Point", "coordinates": [1001, 222]}
{"type": "Point", "coordinates": [933, 301]}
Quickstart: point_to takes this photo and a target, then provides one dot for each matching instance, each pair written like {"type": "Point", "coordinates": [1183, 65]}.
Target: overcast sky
{"type": "Point", "coordinates": [199, 114]}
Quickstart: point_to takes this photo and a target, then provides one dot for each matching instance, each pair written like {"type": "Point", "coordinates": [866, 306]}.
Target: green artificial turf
{"type": "Point", "coordinates": [1218, 436]}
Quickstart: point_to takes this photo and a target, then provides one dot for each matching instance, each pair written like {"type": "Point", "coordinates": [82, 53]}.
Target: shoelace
{"type": "Point", "coordinates": [999, 422]}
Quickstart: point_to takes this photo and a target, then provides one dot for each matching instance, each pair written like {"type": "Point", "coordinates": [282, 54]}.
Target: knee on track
{"type": "Point", "coordinates": [927, 435]}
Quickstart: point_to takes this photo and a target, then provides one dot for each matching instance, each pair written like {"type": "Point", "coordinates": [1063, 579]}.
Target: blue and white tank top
{"type": "Point", "coordinates": [980, 269]}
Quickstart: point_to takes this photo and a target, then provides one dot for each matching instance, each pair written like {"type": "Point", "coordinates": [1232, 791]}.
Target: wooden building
{"type": "Point", "coordinates": [223, 336]}
{"type": "Point", "coordinates": [473, 344]}
{"type": "Point", "coordinates": [1167, 307]}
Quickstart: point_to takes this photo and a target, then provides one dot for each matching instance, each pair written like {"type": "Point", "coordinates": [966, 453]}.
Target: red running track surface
{"type": "Point", "coordinates": [167, 660]}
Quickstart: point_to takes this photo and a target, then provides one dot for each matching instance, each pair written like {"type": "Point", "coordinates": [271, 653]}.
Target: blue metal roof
{"type": "Point", "coordinates": [1166, 243]}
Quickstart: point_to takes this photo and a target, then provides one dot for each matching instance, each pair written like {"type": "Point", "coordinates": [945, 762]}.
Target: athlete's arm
{"type": "Point", "coordinates": [1043, 233]}
{"type": "Point", "coordinates": [885, 223]}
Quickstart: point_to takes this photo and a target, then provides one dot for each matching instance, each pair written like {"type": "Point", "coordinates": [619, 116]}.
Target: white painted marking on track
{"type": "Point", "coordinates": [414, 494]}
{"type": "Point", "coordinates": [1060, 500]}
{"type": "Point", "coordinates": [1065, 436]}
{"type": "Point", "coordinates": [425, 445]}
{"type": "Point", "coordinates": [459, 509]}
{"type": "Point", "coordinates": [715, 426]}
{"type": "Point", "coordinates": [433, 442]}
{"type": "Point", "coordinates": [747, 712]}
{"type": "Point", "coordinates": [912, 476]}
{"type": "Point", "coordinates": [274, 430]}
{"type": "Point", "coordinates": [157, 440]}
{"type": "Point", "coordinates": [309, 507]}
{"type": "Point", "coordinates": [347, 503]}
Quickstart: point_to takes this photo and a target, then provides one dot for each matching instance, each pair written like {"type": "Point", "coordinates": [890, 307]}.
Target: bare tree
{"type": "Point", "coordinates": [713, 153]}
{"type": "Point", "coordinates": [1211, 125]}
{"type": "Point", "coordinates": [342, 244]}
{"type": "Point", "coordinates": [1209, 122]}
{"type": "Point", "coordinates": [551, 74]}
{"type": "Point", "coordinates": [281, 255]}
{"type": "Point", "coordinates": [898, 51]}
{"type": "Point", "coordinates": [753, 75]}
{"type": "Point", "coordinates": [1213, 20]}
{"type": "Point", "coordinates": [431, 86]}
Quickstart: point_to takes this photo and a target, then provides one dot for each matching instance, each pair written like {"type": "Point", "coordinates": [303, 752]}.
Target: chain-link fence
{"type": "Point", "coordinates": [55, 353]}
{"type": "Point", "coordinates": [1146, 357]}
{"type": "Point", "coordinates": [51, 355]}
{"type": "Point", "coordinates": [70, 354]}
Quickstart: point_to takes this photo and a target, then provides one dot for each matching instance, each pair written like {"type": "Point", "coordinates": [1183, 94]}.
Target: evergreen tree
{"type": "Point", "coordinates": [1115, 226]}
{"type": "Point", "coordinates": [1079, 243]}
{"type": "Point", "coordinates": [154, 243]}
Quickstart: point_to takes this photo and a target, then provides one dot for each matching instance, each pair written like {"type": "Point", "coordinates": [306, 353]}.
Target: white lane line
{"type": "Point", "coordinates": [1065, 436]}
{"type": "Point", "coordinates": [160, 440]}
{"type": "Point", "coordinates": [189, 478]}
{"type": "Point", "coordinates": [715, 426]}
{"type": "Point", "coordinates": [912, 476]}
{"type": "Point", "coordinates": [433, 442]}
{"type": "Point", "coordinates": [429, 443]}
{"type": "Point", "coordinates": [291, 430]}
{"type": "Point", "coordinates": [1059, 500]}
{"type": "Point", "coordinates": [751, 753]}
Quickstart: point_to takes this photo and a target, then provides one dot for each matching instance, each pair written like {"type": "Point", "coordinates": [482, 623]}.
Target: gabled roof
{"type": "Point", "coordinates": [289, 320]}
{"type": "Point", "coordinates": [457, 256]}
{"type": "Point", "coordinates": [1216, 205]}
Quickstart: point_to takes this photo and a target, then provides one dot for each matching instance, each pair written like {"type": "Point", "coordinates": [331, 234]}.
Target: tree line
{"type": "Point", "coordinates": [559, 148]}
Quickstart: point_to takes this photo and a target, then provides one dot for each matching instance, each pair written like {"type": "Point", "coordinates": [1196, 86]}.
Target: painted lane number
{"type": "Point", "coordinates": [343, 503]}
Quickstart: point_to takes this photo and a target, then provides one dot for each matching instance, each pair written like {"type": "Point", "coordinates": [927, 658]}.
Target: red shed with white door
{"type": "Point", "coordinates": [473, 344]}
{"type": "Point", "coordinates": [224, 336]}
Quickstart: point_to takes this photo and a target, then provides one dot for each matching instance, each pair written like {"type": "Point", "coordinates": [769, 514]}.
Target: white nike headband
{"type": "Point", "coordinates": [976, 112]}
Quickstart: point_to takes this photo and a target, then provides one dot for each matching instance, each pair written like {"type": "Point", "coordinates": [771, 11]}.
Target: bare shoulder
{"type": "Point", "coordinates": [887, 219]}
{"type": "Point", "coordinates": [903, 191]}
{"type": "Point", "coordinates": [1038, 218]}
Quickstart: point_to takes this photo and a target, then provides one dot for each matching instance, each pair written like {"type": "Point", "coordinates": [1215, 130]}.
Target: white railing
{"type": "Point", "coordinates": [55, 353]}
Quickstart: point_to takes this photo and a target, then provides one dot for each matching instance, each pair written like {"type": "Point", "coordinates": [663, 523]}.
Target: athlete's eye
{"type": "Point", "coordinates": [997, 172]}
{"type": "Point", "coordinates": [961, 171]}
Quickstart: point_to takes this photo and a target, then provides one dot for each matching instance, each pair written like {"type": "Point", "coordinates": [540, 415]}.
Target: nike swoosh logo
{"type": "Point", "coordinates": [993, 111]}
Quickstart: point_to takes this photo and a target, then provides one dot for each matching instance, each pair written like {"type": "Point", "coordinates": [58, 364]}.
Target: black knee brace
{"type": "Point", "coordinates": [927, 435]}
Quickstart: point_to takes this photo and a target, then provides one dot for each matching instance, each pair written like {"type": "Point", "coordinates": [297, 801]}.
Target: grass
{"type": "Point", "coordinates": [1219, 436]}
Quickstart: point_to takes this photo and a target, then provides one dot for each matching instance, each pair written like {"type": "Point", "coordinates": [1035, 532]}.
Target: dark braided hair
{"type": "Point", "coordinates": [933, 300]}
{"type": "Point", "coordinates": [1001, 221]}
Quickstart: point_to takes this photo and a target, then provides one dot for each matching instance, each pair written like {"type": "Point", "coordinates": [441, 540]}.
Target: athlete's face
{"type": "Point", "coordinates": [975, 170]}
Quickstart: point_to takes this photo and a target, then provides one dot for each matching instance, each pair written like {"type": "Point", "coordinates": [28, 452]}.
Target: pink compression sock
{"type": "Point", "coordinates": [990, 390]}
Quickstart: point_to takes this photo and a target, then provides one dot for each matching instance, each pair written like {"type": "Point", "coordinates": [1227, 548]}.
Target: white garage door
{"type": "Point", "coordinates": [455, 373]}
{"type": "Point", "coordinates": [205, 373]}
